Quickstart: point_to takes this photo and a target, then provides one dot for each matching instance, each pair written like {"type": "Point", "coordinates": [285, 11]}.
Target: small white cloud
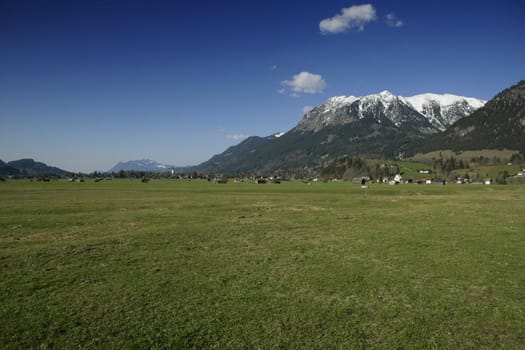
{"type": "Point", "coordinates": [391, 20]}
{"type": "Point", "coordinates": [236, 137]}
{"type": "Point", "coordinates": [304, 82]}
{"type": "Point", "coordinates": [274, 67]}
{"type": "Point", "coordinates": [307, 109]}
{"type": "Point", "coordinates": [353, 17]}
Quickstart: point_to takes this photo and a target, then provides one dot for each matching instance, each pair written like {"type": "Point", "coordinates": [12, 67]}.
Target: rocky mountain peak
{"type": "Point", "coordinates": [428, 112]}
{"type": "Point", "coordinates": [500, 123]}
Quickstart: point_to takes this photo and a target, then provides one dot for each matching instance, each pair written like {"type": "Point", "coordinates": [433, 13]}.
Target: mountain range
{"type": "Point", "coordinates": [381, 125]}
{"type": "Point", "coordinates": [376, 126]}
{"type": "Point", "coordinates": [424, 114]}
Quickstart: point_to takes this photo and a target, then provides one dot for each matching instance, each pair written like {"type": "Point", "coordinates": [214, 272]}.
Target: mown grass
{"type": "Point", "coordinates": [180, 264]}
{"type": "Point", "coordinates": [490, 171]}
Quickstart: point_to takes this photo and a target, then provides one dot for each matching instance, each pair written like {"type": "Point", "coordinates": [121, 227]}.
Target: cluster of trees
{"type": "Point", "coordinates": [502, 177]}
{"type": "Point", "coordinates": [516, 158]}
{"type": "Point", "coordinates": [447, 165]}
{"type": "Point", "coordinates": [347, 168]}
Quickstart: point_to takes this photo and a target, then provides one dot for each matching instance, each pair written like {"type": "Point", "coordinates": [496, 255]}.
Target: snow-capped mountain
{"type": "Point", "coordinates": [141, 165]}
{"type": "Point", "coordinates": [381, 126]}
{"type": "Point", "coordinates": [425, 113]}
{"type": "Point", "coordinates": [500, 123]}
{"type": "Point", "coordinates": [444, 110]}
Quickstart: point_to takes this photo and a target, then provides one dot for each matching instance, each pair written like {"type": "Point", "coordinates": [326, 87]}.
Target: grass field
{"type": "Point", "coordinates": [180, 264]}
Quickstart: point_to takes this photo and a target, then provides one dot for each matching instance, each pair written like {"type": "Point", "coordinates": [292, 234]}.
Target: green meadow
{"type": "Point", "coordinates": [191, 264]}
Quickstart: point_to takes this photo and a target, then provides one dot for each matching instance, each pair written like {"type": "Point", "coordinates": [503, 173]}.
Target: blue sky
{"type": "Point", "coordinates": [85, 84]}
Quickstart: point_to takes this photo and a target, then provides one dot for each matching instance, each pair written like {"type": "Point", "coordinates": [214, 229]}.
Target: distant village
{"type": "Point", "coordinates": [426, 177]}
{"type": "Point", "coordinates": [440, 170]}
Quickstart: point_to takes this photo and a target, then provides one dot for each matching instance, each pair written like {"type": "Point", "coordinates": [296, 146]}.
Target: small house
{"type": "Point", "coordinates": [220, 180]}
{"type": "Point", "coordinates": [260, 180]}
{"type": "Point", "coordinates": [397, 178]}
{"type": "Point", "coordinates": [360, 180]}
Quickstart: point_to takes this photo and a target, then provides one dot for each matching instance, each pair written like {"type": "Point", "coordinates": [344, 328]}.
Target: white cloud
{"type": "Point", "coordinates": [236, 137]}
{"type": "Point", "coordinates": [274, 67]}
{"type": "Point", "coordinates": [307, 109]}
{"type": "Point", "coordinates": [391, 20]}
{"type": "Point", "coordinates": [304, 82]}
{"type": "Point", "coordinates": [353, 17]}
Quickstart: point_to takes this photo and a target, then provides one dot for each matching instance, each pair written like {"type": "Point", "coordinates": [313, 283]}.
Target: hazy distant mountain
{"type": "Point", "coordinates": [29, 167]}
{"type": "Point", "coordinates": [379, 125]}
{"type": "Point", "coordinates": [499, 124]}
{"type": "Point", "coordinates": [141, 165]}
{"type": "Point", "coordinates": [6, 170]}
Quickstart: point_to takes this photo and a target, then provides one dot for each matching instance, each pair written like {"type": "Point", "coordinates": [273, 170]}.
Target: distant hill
{"type": "Point", "coordinates": [142, 165]}
{"type": "Point", "coordinates": [500, 124]}
{"type": "Point", "coordinates": [6, 170]}
{"type": "Point", "coordinates": [29, 167]}
{"type": "Point", "coordinates": [240, 157]}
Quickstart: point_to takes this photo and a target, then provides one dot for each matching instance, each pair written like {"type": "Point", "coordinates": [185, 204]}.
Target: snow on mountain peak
{"type": "Point", "coordinates": [346, 100]}
{"type": "Point", "coordinates": [387, 96]}
{"type": "Point", "coordinates": [444, 109]}
{"type": "Point", "coordinates": [333, 103]}
{"type": "Point", "coordinates": [439, 110]}
{"type": "Point", "coordinates": [342, 100]}
{"type": "Point", "coordinates": [418, 101]}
